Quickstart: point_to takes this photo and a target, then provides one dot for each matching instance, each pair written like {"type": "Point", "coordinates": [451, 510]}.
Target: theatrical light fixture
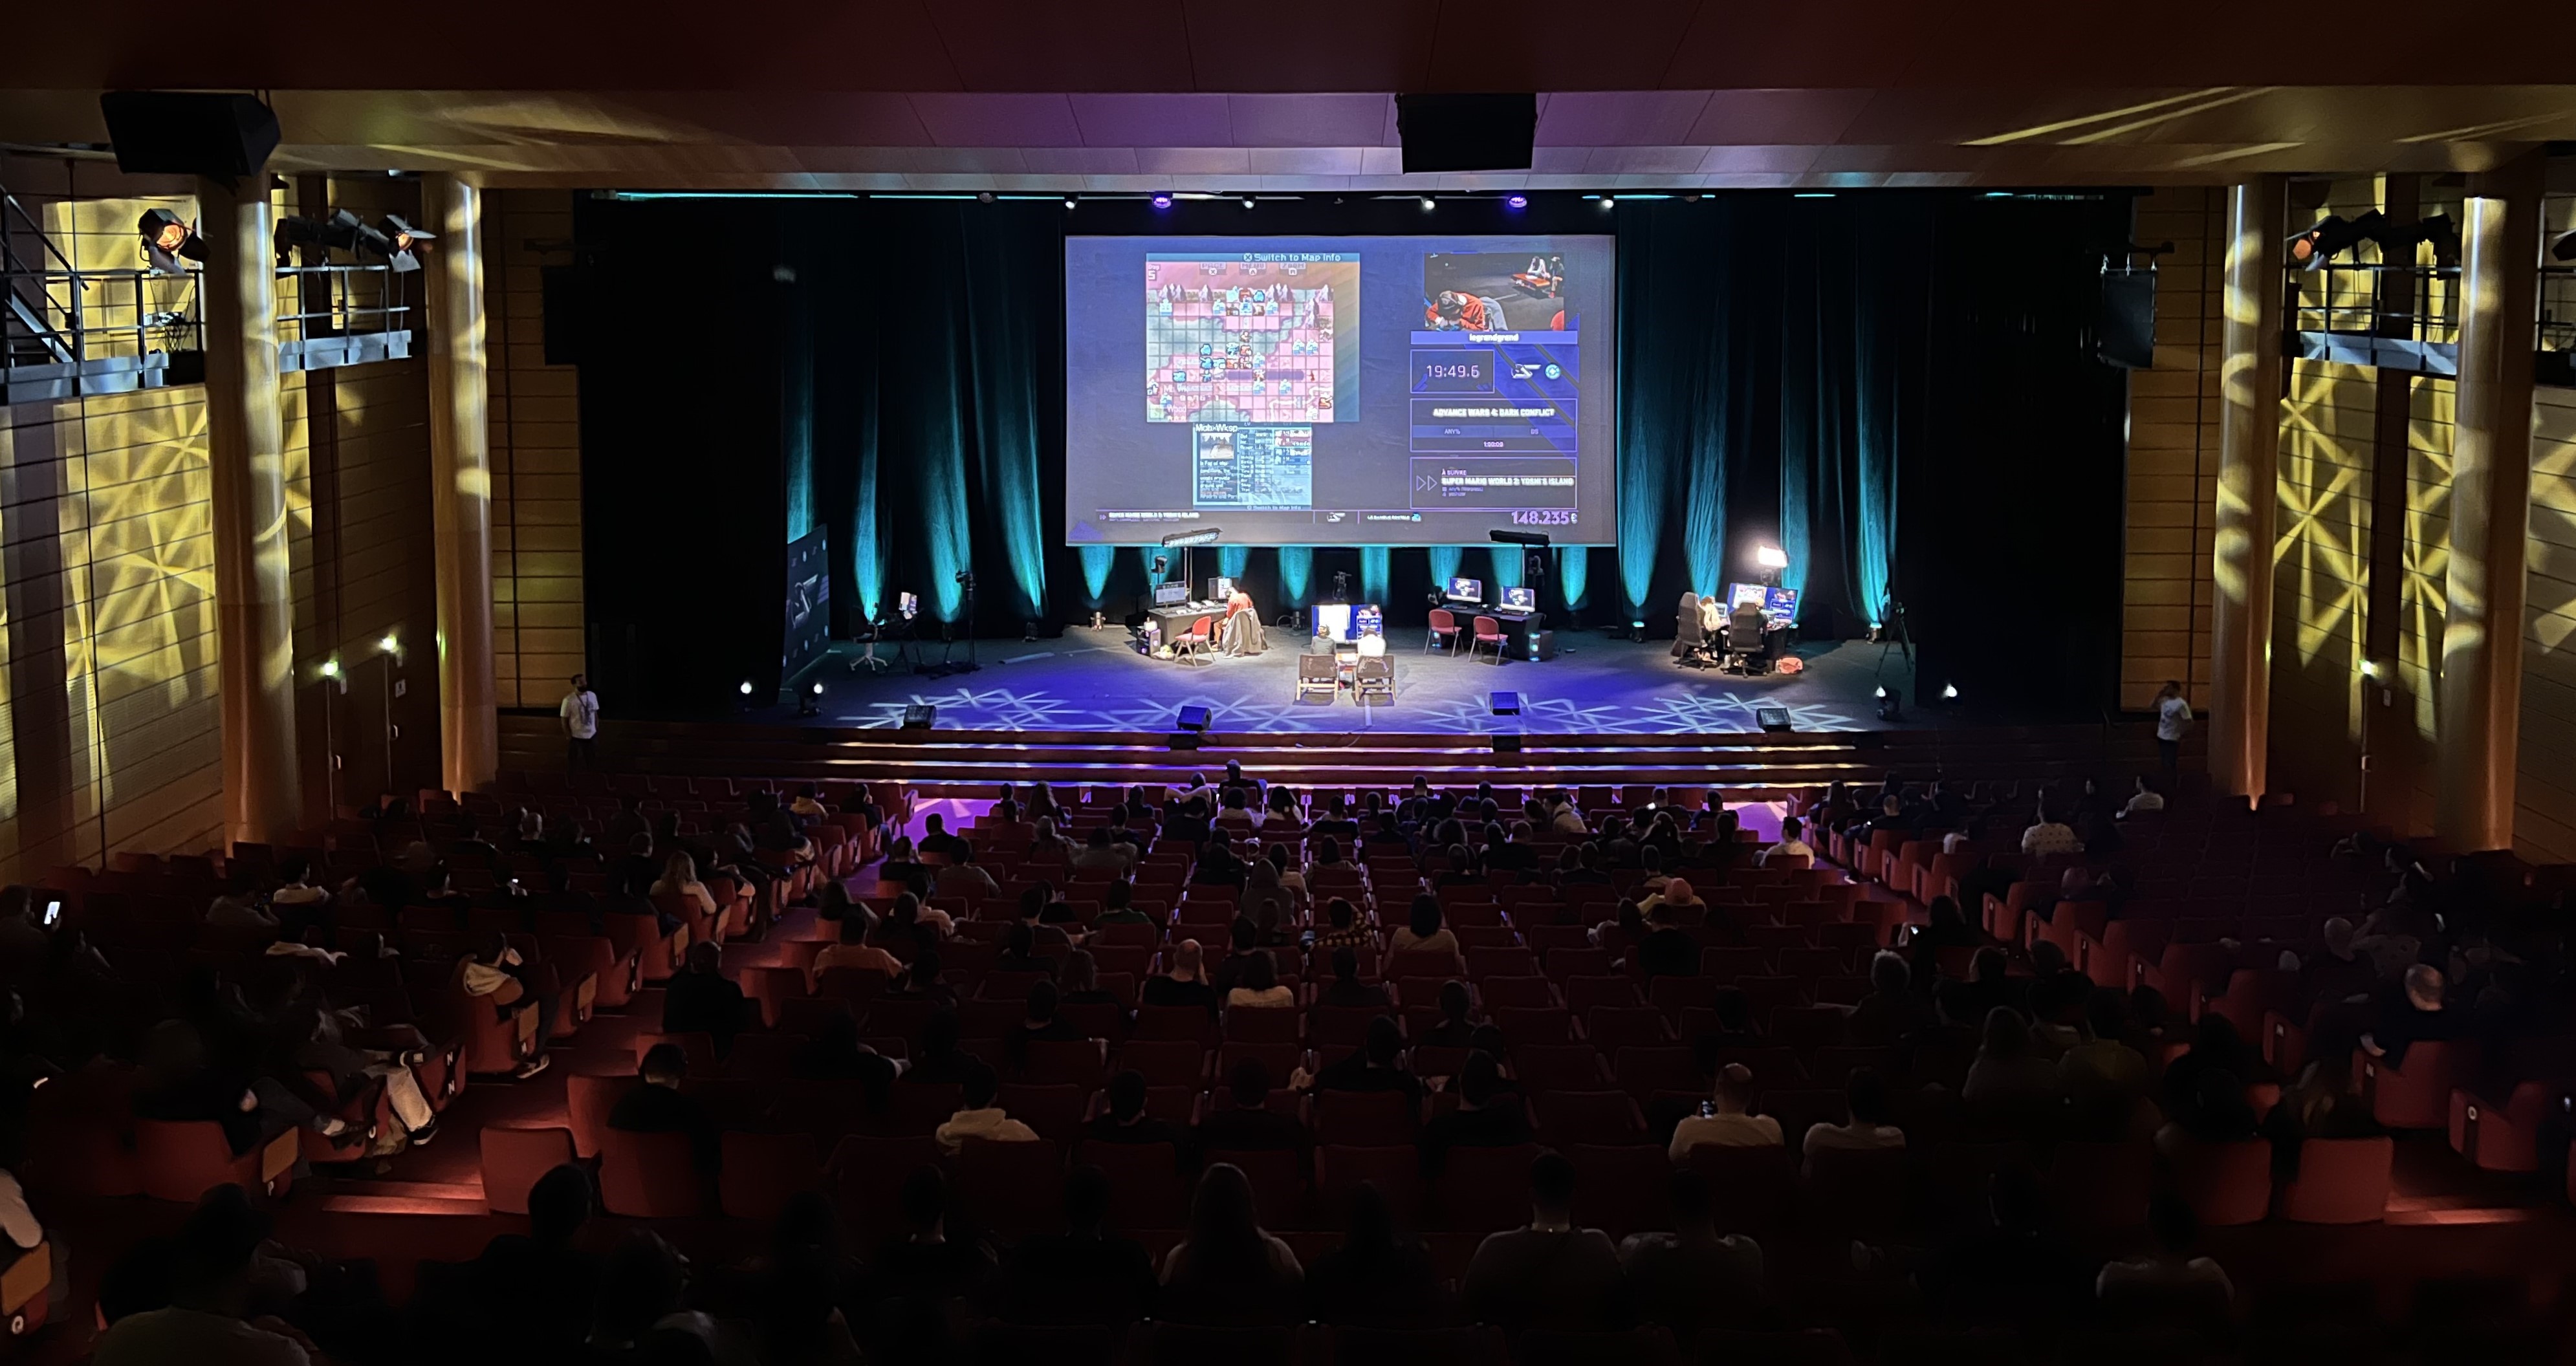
{"type": "Point", "coordinates": [1770, 557]}
{"type": "Point", "coordinates": [1162, 201]}
{"type": "Point", "coordinates": [1202, 536]}
{"type": "Point", "coordinates": [811, 703]}
{"type": "Point", "coordinates": [1247, 201]}
{"type": "Point", "coordinates": [330, 668]}
{"type": "Point", "coordinates": [2370, 668]}
{"type": "Point", "coordinates": [2334, 235]}
{"type": "Point", "coordinates": [1891, 705]}
{"type": "Point", "coordinates": [746, 687]}
{"type": "Point", "coordinates": [167, 238]}
{"type": "Point", "coordinates": [1516, 201]}
{"type": "Point", "coordinates": [1427, 204]}
{"type": "Point", "coordinates": [1605, 201]}
{"type": "Point", "coordinates": [388, 644]}
{"type": "Point", "coordinates": [1813, 194]}
{"type": "Point", "coordinates": [1949, 692]}
{"type": "Point", "coordinates": [1068, 201]}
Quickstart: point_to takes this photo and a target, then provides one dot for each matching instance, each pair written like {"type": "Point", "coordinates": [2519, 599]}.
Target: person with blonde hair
{"type": "Point", "coordinates": [680, 878]}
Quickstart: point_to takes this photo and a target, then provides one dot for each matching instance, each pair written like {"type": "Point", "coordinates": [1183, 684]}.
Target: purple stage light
{"type": "Point", "coordinates": [1517, 201]}
{"type": "Point", "coordinates": [1162, 201]}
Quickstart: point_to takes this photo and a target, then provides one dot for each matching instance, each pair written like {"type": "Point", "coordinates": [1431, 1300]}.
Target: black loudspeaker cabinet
{"type": "Point", "coordinates": [1466, 132]}
{"type": "Point", "coordinates": [2127, 336]}
{"type": "Point", "coordinates": [1542, 644]}
{"type": "Point", "coordinates": [167, 132]}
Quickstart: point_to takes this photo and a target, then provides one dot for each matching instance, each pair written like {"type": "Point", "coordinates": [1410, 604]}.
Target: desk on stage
{"type": "Point", "coordinates": [1525, 634]}
{"type": "Point", "coordinates": [1176, 622]}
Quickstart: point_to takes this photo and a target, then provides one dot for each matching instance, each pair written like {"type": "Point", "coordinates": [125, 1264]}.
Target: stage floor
{"type": "Point", "coordinates": [1095, 680]}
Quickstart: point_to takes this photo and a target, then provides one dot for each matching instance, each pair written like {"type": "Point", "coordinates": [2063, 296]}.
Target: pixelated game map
{"type": "Point", "coordinates": [1246, 338]}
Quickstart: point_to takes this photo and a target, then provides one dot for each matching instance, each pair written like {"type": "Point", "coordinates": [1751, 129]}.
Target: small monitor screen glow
{"type": "Point", "coordinates": [1220, 588]}
{"type": "Point", "coordinates": [1171, 594]}
{"type": "Point", "coordinates": [1467, 590]}
{"type": "Point", "coordinates": [1779, 605]}
{"type": "Point", "coordinates": [909, 604]}
{"type": "Point", "coordinates": [1521, 599]}
{"type": "Point", "coordinates": [1368, 619]}
{"type": "Point", "coordinates": [1333, 620]}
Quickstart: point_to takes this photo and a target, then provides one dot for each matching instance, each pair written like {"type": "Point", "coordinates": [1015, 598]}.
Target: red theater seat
{"type": "Point", "coordinates": [2225, 1183]}
{"type": "Point", "coordinates": [2418, 1094]}
{"type": "Point", "coordinates": [515, 1158]}
{"type": "Point", "coordinates": [180, 1160]}
{"type": "Point", "coordinates": [649, 1176]}
{"type": "Point", "coordinates": [762, 1172]}
{"type": "Point", "coordinates": [588, 1101]}
{"type": "Point", "coordinates": [2340, 1181]}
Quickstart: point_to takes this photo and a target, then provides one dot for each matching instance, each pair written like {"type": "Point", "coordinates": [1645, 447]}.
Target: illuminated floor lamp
{"type": "Point", "coordinates": [1772, 560]}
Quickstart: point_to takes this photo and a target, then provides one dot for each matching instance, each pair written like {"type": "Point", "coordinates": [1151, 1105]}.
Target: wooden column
{"type": "Point", "coordinates": [461, 471]}
{"type": "Point", "coordinates": [2479, 699]}
{"type": "Point", "coordinates": [246, 445]}
{"type": "Point", "coordinates": [2240, 640]}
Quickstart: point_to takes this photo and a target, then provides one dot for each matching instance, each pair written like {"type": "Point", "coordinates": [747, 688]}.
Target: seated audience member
{"type": "Point", "coordinates": [1891, 1010]}
{"type": "Point", "coordinates": [921, 1283]}
{"type": "Point", "coordinates": [1346, 990]}
{"type": "Point", "coordinates": [1865, 1095]}
{"type": "Point", "coordinates": [1020, 952]}
{"type": "Point", "coordinates": [495, 978]}
{"type": "Point", "coordinates": [296, 890]}
{"type": "Point", "coordinates": [1724, 1121]}
{"type": "Point", "coordinates": [1085, 1276]}
{"type": "Point", "coordinates": [1342, 928]}
{"type": "Point", "coordinates": [2417, 1012]}
{"type": "Point", "coordinates": [660, 1107]}
{"type": "Point", "coordinates": [980, 1118]}
{"type": "Point", "coordinates": [1240, 941]}
{"type": "Point", "coordinates": [1422, 931]}
{"type": "Point", "coordinates": [1079, 981]}
{"type": "Point", "coordinates": [2170, 1279]}
{"type": "Point", "coordinates": [1039, 1023]}
{"type": "Point", "coordinates": [2046, 836]}
{"type": "Point", "coordinates": [1792, 843]}
{"type": "Point", "coordinates": [534, 1290]}
{"type": "Point", "coordinates": [1693, 1279]}
{"type": "Point", "coordinates": [935, 838]}
{"type": "Point", "coordinates": [1118, 905]}
{"type": "Point", "coordinates": [854, 951]}
{"type": "Point", "coordinates": [1249, 1124]}
{"type": "Point", "coordinates": [2142, 800]}
{"type": "Point", "coordinates": [2006, 1073]}
{"type": "Point", "coordinates": [1378, 1277]}
{"type": "Point", "coordinates": [1376, 1065]}
{"type": "Point", "coordinates": [2338, 973]}
{"type": "Point", "coordinates": [1230, 1270]}
{"type": "Point", "coordinates": [1663, 950]}
{"type": "Point", "coordinates": [1099, 852]}
{"type": "Point", "coordinates": [938, 1061]}
{"type": "Point", "coordinates": [1489, 1115]}
{"type": "Point", "coordinates": [1550, 1274]}
{"type": "Point", "coordinates": [1258, 987]}
{"type": "Point", "coordinates": [699, 1000]}
{"type": "Point", "coordinates": [1185, 984]}
{"type": "Point", "coordinates": [1125, 1121]}
{"type": "Point", "coordinates": [963, 877]}
{"type": "Point", "coordinates": [1675, 905]}
{"type": "Point", "coordinates": [1044, 911]}
{"type": "Point", "coordinates": [1457, 1027]}
{"type": "Point", "coordinates": [921, 981]}
{"type": "Point", "coordinates": [835, 1054]}
{"type": "Point", "coordinates": [2215, 1047]}
{"type": "Point", "coordinates": [680, 878]}
{"type": "Point", "coordinates": [217, 1276]}
{"type": "Point", "coordinates": [2216, 1111]}
{"type": "Point", "coordinates": [1268, 904]}
{"type": "Point", "coordinates": [2103, 1078]}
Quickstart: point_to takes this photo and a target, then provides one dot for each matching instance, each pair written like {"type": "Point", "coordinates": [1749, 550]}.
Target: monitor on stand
{"type": "Point", "coordinates": [1220, 588]}
{"type": "Point", "coordinates": [1171, 594]}
{"type": "Point", "coordinates": [1520, 600]}
{"type": "Point", "coordinates": [1332, 620]}
{"type": "Point", "coordinates": [1466, 590]}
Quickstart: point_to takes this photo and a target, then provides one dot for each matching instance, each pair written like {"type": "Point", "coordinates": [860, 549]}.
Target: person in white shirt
{"type": "Point", "coordinates": [2144, 799]}
{"type": "Point", "coordinates": [2173, 717]}
{"type": "Point", "coordinates": [1790, 845]}
{"type": "Point", "coordinates": [980, 1118]}
{"type": "Point", "coordinates": [1865, 1095]}
{"type": "Point", "coordinates": [580, 713]}
{"type": "Point", "coordinates": [2045, 836]}
{"type": "Point", "coordinates": [1723, 1123]}
{"type": "Point", "coordinates": [2170, 1271]}
{"type": "Point", "coordinates": [1565, 819]}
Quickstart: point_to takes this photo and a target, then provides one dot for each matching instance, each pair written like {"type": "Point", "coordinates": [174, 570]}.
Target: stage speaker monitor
{"type": "Point", "coordinates": [1195, 719]}
{"type": "Point", "coordinates": [1507, 744]}
{"type": "Point", "coordinates": [920, 715]}
{"type": "Point", "coordinates": [1506, 703]}
{"type": "Point", "coordinates": [168, 132]}
{"type": "Point", "coordinates": [1466, 132]}
{"type": "Point", "coordinates": [2127, 327]}
{"type": "Point", "coordinates": [1542, 644]}
{"type": "Point", "coordinates": [1772, 719]}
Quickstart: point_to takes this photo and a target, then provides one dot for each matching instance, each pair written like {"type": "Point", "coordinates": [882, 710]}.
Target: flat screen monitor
{"type": "Point", "coordinates": [1368, 619]}
{"type": "Point", "coordinates": [1779, 605]}
{"type": "Point", "coordinates": [1466, 590]}
{"type": "Point", "coordinates": [1520, 599]}
{"type": "Point", "coordinates": [1220, 588]}
{"type": "Point", "coordinates": [1333, 621]}
{"type": "Point", "coordinates": [1171, 594]}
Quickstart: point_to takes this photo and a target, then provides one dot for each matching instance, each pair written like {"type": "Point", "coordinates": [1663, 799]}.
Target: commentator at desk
{"type": "Point", "coordinates": [1241, 634]}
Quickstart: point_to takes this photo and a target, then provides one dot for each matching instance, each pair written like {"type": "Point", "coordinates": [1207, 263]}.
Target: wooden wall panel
{"type": "Point", "coordinates": [2544, 827]}
{"type": "Point", "coordinates": [2173, 454]}
{"type": "Point", "coordinates": [536, 455]}
{"type": "Point", "coordinates": [2321, 582]}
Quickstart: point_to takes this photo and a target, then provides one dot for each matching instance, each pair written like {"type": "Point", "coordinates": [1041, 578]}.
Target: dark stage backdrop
{"type": "Point", "coordinates": [1896, 387]}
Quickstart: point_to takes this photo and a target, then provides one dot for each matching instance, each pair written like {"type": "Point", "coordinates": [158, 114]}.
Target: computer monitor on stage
{"type": "Point", "coordinates": [1368, 619]}
{"type": "Point", "coordinates": [1171, 594]}
{"type": "Point", "coordinates": [1779, 605]}
{"type": "Point", "coordinates": [1520, 599]}
{"type": "Point", "coordinates": [1220, 588]}
{"type": "Point", "coordinates": [1333, 620]}
{"type": "Point", "coordinates": [1466, 590]}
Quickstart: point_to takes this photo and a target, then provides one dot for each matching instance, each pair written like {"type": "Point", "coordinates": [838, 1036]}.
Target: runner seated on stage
{"type": "Point", "coordinates": [1241, 632]}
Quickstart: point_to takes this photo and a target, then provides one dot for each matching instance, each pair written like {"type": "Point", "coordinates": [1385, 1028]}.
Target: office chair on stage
{"type": "Point", "coordinates": [1690, 638]}
{"type": "Point", "coordinates": [1747, 640]}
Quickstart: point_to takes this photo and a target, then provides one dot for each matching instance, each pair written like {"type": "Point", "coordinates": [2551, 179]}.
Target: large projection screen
{"type": "Point", "coordinates": [1339, 390]}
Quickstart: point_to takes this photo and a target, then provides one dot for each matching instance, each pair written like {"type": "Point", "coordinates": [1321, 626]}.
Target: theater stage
{"type": "Point", "coordinates": [1095, 680]}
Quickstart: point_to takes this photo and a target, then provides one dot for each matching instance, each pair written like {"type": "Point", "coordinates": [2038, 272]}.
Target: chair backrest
{"type": "Point", "coordinates": [648, 1176]}
{"type": "Point", "coordinates": [1316, 669]}
{"type": "Point", "coordinates": [1443, 620]}
{"type": "Point", "coordinates": [1487, 628]}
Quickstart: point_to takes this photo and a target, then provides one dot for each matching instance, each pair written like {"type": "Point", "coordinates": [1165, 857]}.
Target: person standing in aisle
{"type": "Point", "coordinates": [580, 713]}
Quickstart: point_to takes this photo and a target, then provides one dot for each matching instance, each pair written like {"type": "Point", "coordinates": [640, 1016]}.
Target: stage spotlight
{"type": "Point", "coordinates": [983, 196]}
{"type": "Point", "coordinates": [1028, 630]}
{"type": "Point", "coordinates": [1068, 201]}
{"type": "Point", "coordinates": [2333, 235]}
{"type": "Point", "coordinates": [746, 687]}
{"type": "Point", "coordinates": [1891, 705]}
{"type": "Point", "coordinates": [811, 702]}
{"type": "Point", "coordinates": [1770, 557]}
{"type": "Point", "coordinates": [1949, 692]}
{"type": "Point", "coordinates": [1202, 536]}
{"type": "Point", "coordinates": [1427, 204]}
{"type": "Point", "coordinates": [330, 668]}
{"type": "Point", "coordinates": [1162, 201]}
{"type": "Point", "coordinates": [167, 238]}
{"type": "Point", "coordinates": [1516, 201]}
{"type": "Point", "coordinates": [388, 644]}
{"type": "Point", "coordinates": [2370, 668]}
{"type": "Point", "coordinates": [1247, 201]}
{"type": "Point", "coordinates": [1605, 201]}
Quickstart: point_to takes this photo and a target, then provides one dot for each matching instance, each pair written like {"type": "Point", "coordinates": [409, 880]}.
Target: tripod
{"type": "Point", "coordinates": [948, 665]}
{"type": "Point", "coordinates": [1894, 636]}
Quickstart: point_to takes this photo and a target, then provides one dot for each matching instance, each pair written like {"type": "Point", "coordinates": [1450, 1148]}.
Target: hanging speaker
{"type": "Point", "coordinates": [164, 132]}
{"type": "Point", "coordinates": [2126, 330]}
{"type": "Point", "coordinates": [1466, 132]}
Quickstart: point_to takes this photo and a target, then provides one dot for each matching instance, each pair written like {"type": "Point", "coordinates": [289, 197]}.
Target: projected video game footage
{"type": "Point", "coordinates": [1339, 390]}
